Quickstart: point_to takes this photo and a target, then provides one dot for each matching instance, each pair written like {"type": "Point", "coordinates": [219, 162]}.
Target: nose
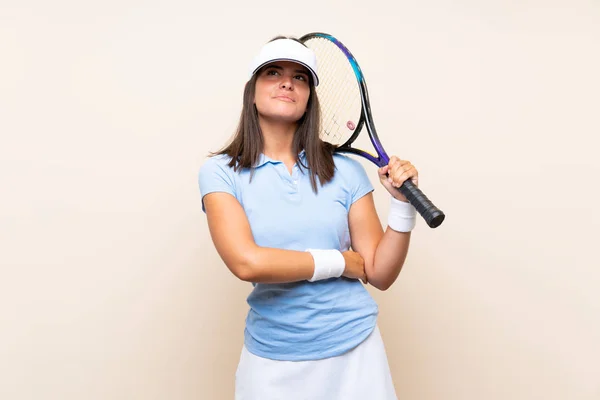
{"type": "Point", "coordinates": [286, 83]}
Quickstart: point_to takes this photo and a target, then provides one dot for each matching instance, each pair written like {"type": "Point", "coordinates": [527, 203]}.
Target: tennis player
{"type": "Point", "coordinates": [283, 212]}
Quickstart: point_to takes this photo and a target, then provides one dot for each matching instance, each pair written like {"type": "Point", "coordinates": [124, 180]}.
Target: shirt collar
{"type": "Point", "coordinates": [263, 159]}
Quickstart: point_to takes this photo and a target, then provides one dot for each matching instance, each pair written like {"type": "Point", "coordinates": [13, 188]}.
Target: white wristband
{"type": "Point", "coordinates": [328, 264]}
{"type": "Point", "coordinates": [402, 216]}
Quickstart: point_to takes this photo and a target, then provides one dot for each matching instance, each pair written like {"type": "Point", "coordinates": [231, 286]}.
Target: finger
{"type": "Point", "coordinates": [399, 166]}
{"type": "Point", "coordinates": [396, 173]}
{"type": "Point", "coordinates": [405, 165]}
{"type": "Point", "coordinates": [400, 178]}
{"type": "Point", "coordinates": [393, 161]}
{"type": "Point", "coordinates": [394, 166]}
{"type": "Point", "coordinates": [414, 175]}
{"type": "Point", "coordinates": [408, 171]}
{"type": "Point", "coordinates": [412, 172]}
{"type": "Point", "coordinates": [405, 178]}
{"type": "Point", "coordinates": [404, 162]}
{"type": "Point", "coordinates": [399, 181]}
{"type": "Point", "coordinates": [383, 170]}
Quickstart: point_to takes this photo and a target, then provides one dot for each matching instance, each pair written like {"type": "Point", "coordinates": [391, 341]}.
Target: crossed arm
{"type": "Point", "coordinates": [383, 253]}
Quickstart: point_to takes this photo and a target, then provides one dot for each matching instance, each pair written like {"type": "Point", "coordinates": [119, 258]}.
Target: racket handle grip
{"type": "Point", "coordinates": [430, 213]}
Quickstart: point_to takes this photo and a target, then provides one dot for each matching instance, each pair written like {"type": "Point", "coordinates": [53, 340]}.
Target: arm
{"type": "Point", "coordinates": [232, 236]}
{"type": "Point", "coordinates": [384, 253]}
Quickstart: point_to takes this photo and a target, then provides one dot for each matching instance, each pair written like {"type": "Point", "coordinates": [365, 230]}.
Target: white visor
{"type": "Point", "coordinates": [286, 50]}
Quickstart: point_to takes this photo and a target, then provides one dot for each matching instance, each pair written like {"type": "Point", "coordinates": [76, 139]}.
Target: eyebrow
{"type": "Point", "coordinates": [301, 71]}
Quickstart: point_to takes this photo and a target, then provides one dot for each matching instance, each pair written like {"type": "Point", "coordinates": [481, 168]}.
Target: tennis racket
{"type": "Point", "coordinates": [345, 109]}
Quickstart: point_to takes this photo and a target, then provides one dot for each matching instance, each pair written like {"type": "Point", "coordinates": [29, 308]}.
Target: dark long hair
{"type": "Point", "coordinates": [248, 144]}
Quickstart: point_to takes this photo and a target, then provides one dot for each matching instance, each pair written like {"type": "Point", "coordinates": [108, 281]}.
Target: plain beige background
{"type": "Point", "coordinates": [110, 287]}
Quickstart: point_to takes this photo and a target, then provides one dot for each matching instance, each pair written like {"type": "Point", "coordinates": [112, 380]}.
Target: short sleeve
{"type": "Point", "coordinates": [216, 176]}
{"type": "Point", "coordinates": [361, 185]}
{"type": "Point", "coordinates": [357, 181]}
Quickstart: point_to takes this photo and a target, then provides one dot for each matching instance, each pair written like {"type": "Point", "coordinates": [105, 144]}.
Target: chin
{"type": "Point", "coordinates": [290, 117]}
{"type": "Point", "coordinates": [285, 118]}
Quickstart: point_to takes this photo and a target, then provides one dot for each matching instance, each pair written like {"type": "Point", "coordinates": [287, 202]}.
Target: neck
{"type": "Point", "coordinates": [278, 138]}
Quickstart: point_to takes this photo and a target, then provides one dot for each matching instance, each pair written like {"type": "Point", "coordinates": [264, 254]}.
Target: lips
{"type": "Point", "coordinates": [285, 98]}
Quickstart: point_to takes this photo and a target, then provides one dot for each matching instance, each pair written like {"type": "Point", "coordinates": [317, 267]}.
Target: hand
{"type": "Point", "coordinates": [355, 266]}
{"type": "Point", "coordinates": [393, 175]}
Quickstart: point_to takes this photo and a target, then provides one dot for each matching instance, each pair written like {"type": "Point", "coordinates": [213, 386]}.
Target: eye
{"type": "Point", "coordinates": [272, 72]}
{"type": "Point", "coordinates": [301, 78]}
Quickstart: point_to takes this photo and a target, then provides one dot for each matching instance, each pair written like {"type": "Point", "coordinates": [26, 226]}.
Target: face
{"type": "Point", "coordinates": [282, 91]}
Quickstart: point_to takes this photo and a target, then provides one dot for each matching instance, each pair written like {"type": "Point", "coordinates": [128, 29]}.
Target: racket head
{"type": "Point", "coordinates": [341, 87]}
{"type": "Point", "coordinates": [340, 93]}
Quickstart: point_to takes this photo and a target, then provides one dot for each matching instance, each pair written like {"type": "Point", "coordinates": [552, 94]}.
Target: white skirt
{"type": "Point", "coordinates": [362, 373]}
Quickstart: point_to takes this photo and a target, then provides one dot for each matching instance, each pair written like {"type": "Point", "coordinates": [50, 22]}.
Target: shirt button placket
{"type": "Point", "coordinates": [294, 183]}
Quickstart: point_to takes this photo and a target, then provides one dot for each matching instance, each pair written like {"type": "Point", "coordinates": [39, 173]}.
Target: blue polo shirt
{"type": "Point", "coordinates": [300, 320]}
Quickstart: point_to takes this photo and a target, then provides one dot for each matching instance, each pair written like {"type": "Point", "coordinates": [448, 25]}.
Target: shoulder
{"type": "Point", "coordinates": [216, 175]}
{"type": "Point", "coordinates": [353, 175]}
{"type": "Point", "coordinates": [217, 164]}
{"type": "Point", "coordinates": [345, 164]}
{"type": "Point", "coordinates": [216, 161]}
{"type": "Point", "coordinates": [215, 171]}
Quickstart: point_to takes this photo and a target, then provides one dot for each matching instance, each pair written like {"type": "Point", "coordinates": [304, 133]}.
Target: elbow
{"type": "Point", "coordinates": [384, 279]}
{"type": "Point", "coordinates": [378, 280]}
{"type": "Point", "coordinates": [383, 286]}
{"type": "Point", "coordinates": [244, 273]}
{"type": "Point", "coordinates": [245, 267]}
{"type": "Point", "coordinates": [381, 281]}
{"type": "Point", "coordinates": [246, 277]}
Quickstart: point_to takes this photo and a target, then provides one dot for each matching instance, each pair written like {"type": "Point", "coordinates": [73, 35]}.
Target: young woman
{"type": "Point", "coordinates": [283, 212]}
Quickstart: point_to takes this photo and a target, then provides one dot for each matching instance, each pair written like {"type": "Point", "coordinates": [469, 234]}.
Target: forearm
{"type": "Point", "coordinates": [232, 236]}
{"type": "Point", "coordinates": [391, 247]}
{"type": "Point", "coordinates": [388, 259]}
{"type": "Point", "coordinates": [270, 265]}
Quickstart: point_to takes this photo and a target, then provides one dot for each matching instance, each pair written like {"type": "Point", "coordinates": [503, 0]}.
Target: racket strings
{"type": "Point", "coordinates": [338, 91]}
